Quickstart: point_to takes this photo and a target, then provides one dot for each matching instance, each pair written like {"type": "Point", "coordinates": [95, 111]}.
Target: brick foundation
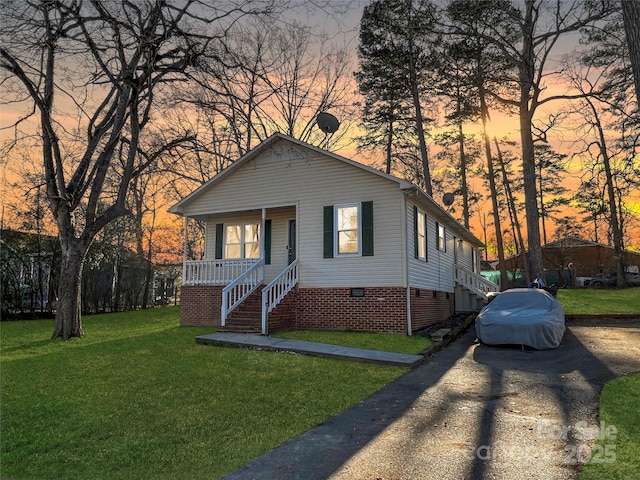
{"type": "Point", "coordinates": [200, 305]}
{"type": "Point", "coordinates": [380, 310]}
{"type": "Point", "coordinates": [429, 307]}
{"type": "Point", "coordinates": [284, 316]}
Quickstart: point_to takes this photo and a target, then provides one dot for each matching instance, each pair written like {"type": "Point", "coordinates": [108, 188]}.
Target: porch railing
{"type": "Point", "coordinates": [474, 282]}
{"type": "Point", "coordinates": [214, 272]}
{"type": "Point", "coordinates": [234, 293]}
{"type": "Point", "coordinates": [277, 289]}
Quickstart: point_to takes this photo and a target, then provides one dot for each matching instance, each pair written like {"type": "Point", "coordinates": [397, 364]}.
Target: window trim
{"type": "Point", "coordinates": [441, 240]}
{"type": "Point", "coordinates": [243, 241]}
{"type": "Point", "coordinates": [418, 238]}
{"type": "Point", "coordinates": [336, 234]}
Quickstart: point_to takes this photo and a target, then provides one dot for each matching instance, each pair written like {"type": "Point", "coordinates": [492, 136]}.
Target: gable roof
{"type": "Point", "coordinates": [407, 187]}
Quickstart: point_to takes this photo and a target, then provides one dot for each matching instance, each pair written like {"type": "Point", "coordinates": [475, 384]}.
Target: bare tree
{"type": "Point", "coordinates": [609, 125]}
{"type": "Point", "coordinates": [104, 64]}
{"type": "Point", "coordinates": [270, 78]}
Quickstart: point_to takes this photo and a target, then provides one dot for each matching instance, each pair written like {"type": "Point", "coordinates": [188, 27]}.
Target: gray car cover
{"type": "Point", "coordinates": [522, 316]}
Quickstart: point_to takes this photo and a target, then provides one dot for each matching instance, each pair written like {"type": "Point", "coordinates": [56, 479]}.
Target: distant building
{"type": "Point", "coordinates": [575, 258]}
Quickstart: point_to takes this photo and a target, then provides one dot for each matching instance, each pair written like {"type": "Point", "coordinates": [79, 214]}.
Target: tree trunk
{"type": "Point", "coordinates": [389, 147]}
{"type": "Point", "coordinates": [463, 176]}
{"type": "Point", "coordinates": [526, 74]}
{"type": "Point", "coordinates": [631, 17]}
{"type": "Point", "coordinates": [536, 268]}
{"type": "Point", "coordinates": [68, 321]}
{"type": "Point", "coordinates": [504, 280]}
{"type": "Point", "coordinates": [618, 241]}
{"type": "Point", "coordinates": [513, 213]}
{"type": "Point", "coordinates": [543, 213]}
{"type": "Point", "coordinates": [419, 125]}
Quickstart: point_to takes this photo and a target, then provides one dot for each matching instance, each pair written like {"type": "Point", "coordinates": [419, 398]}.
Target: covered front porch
{"type": "Point", "coordinates": [249, 267]}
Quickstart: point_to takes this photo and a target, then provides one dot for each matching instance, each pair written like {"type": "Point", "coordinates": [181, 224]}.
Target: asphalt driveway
{"type": "Point", "coordinates": [472, 412]}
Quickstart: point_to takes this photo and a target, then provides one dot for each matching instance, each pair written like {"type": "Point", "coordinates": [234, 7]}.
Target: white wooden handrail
{"type": "Point", "coordinates": [277, 289]}
{"type": "Point", "coordinates": [475, 282]}
{"type": "Point", "coordinates": [214, 272]}
{"type": "Point", "coordinates": [234, 293]}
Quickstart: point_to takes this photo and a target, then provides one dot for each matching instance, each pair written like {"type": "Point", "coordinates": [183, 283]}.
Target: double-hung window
{"type": "Point", "coordinates": [348, 230]}
{"type": "Point", "coordinates": [348, 227]}
{"type": "Point", "coordinates": [242, 241]}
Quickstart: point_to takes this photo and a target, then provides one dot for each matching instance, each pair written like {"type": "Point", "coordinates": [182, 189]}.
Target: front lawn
{"type": "Point", "coordinates": [138, 398]}
{"type": "Point", "coordinates": [617, 453]}
{"type": "Point", "coordinates": [600, 301]}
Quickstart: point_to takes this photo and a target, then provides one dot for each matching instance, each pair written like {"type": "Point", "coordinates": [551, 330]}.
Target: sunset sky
{"type": "Point", "coordinates": [343, 32]}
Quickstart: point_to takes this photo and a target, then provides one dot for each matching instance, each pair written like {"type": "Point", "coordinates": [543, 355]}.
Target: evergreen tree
{"type": "Point", "coordinates": [393, 53]}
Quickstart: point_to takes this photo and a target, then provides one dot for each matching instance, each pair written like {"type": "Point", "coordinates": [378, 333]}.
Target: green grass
{"type": "Point", "coordinates": [619, 457]}
{"type": "Point", "coordinates": [600, 301]}
{"type": "Point", "coordinates": [374, 341]}
{"type": "Point", "coordinates": [138, 398]}
{"type": "Point", "coordinates": [618, 452]}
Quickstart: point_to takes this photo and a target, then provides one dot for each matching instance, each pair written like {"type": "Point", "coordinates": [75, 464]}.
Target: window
{"type": "Point", "coordinates": [347, 222]}
{"type": "Point", "coordinates": [420, 233]}
{"type": "Point", "coordinates": [442, 238]}
{"type": "Point", "coordinates": [242, 241]}
{"type": "Point", "coordinates": [348, 230]}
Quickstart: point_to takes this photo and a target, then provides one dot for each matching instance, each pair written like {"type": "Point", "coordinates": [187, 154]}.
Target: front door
{"type": "Point", "coordinates": [291, 247]}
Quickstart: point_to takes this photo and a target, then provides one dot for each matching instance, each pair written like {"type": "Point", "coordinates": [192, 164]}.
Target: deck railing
{"type": "Point", "coordinates": [214, 272]}
{"type": "Point", "coordinates": [474, 282]}
{"type": "Point", "coordinates": [234, 293]}
{"type": "Point", "coordinates": [277, 289]}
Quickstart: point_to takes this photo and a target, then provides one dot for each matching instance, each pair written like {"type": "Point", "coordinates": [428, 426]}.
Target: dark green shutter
{"type": "Point", "coordinates": [426, 236]}
{"type": "Point", "coordinates": [328, 232]}
{"type": "Point", "coordinates": [267, 242]}
{"type": "Point", "coordinates": [367, 229]}
{"type": "Point", "coordinates": [415, 232]}
{"type": "Point", "coordinates": [219, 238]}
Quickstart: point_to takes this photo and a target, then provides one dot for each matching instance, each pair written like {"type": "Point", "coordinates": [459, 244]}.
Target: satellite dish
{"type": "Point", "coordinates": [327, 122]}
{"type": "Point", "coordinates": [447, 199]}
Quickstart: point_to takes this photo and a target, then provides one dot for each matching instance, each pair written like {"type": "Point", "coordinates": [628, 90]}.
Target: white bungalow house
{"type": "Point", "coordinates": [301, 238]}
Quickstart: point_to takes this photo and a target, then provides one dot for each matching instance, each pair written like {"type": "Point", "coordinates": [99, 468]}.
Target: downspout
{"type": "Point", "coordinates": [406, 262]}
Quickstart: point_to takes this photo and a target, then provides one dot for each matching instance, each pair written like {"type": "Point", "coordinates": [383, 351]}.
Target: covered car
{"type": "Point", "coordinates": [522, 316]}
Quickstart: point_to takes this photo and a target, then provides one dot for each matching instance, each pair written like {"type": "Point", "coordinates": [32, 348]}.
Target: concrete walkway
{"type": "Point", "coordinates": [471, 412]}
{"type": "Point", "coordinates": [309, 348]}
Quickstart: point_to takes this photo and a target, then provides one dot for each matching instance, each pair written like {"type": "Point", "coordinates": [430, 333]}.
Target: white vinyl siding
{"type": "Point", "coordinates": [437, 273]}
{"type": "Point", "coordinates": [283, 177]}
